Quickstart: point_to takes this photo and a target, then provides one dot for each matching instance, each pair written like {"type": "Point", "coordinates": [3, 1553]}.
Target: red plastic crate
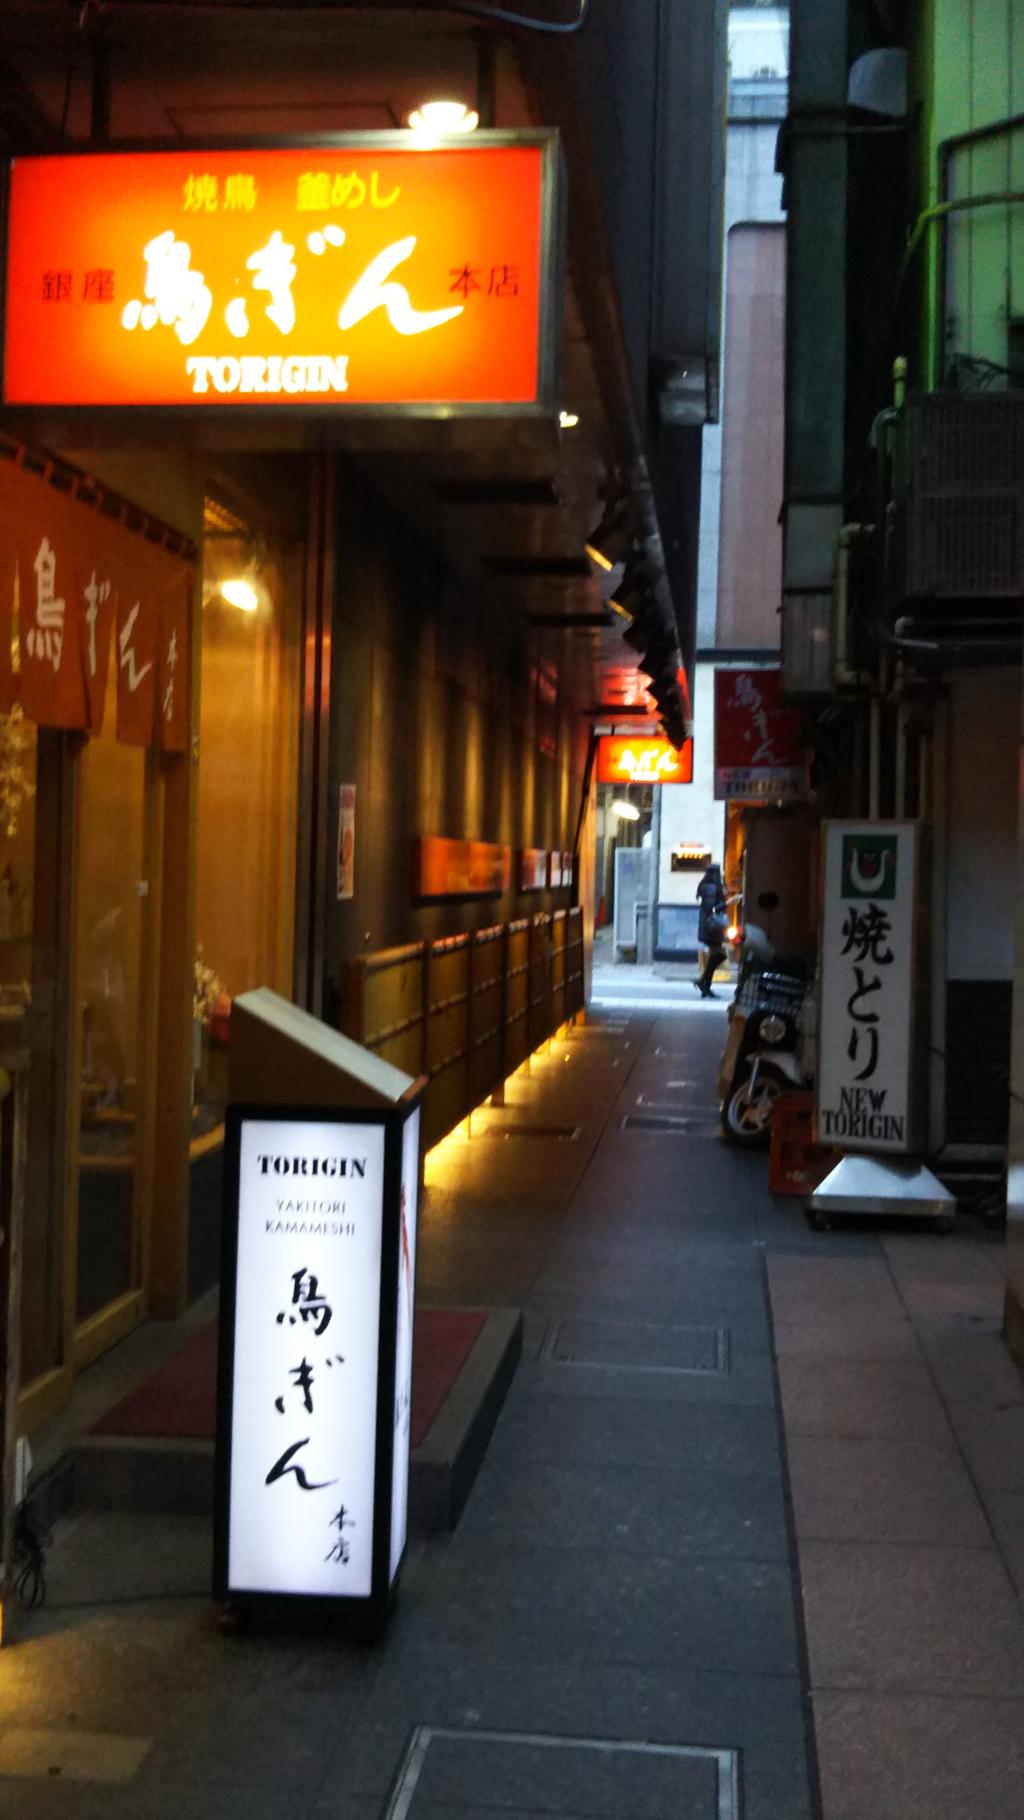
{"type": "Point", "coordinates": [797, 1163]}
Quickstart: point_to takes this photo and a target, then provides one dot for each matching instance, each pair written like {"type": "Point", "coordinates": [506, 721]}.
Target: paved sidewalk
{"type": "Point", "coordinates": [905, 1431]}
{"type": "Point", "coordinates": [616, 1628]}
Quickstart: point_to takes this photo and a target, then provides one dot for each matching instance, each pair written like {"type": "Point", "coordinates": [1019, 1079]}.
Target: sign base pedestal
{"type": "Point", "coordinates": [877, 1185]}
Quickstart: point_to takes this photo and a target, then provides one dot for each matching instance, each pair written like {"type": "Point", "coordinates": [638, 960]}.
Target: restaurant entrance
{"type": "Point", "coordinates": [149, 733]}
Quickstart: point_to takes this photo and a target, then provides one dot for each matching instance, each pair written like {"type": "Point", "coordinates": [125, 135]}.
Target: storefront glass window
{"type": "Point", "coordinates": [27, 1010]}
{"type": "Point", "coordinates": [113, 917]}
{"type": "Point", "coordinates": [248, 775]}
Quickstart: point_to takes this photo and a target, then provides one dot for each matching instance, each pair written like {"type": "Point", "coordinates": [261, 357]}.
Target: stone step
{"type": "Point", "coordinates": [156, 1476]}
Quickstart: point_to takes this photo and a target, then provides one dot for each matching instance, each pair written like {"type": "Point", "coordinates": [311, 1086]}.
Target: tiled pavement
{"type": "Point", "coordinates": [616, 1628]}
{"type": "Point", "coordinates": [905, 1428]}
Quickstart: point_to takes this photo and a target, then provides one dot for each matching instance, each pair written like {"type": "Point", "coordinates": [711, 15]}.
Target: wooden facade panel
{"type": "Point", "coordinates": [487, 1013]}
{"type": "Point", "coordinates": [559, 929]}
{"type": "Point", "coordinates": [574, 976]}
{"type": "Point", "coordinates": [488, 961]}
{"type": "Point", "coordinates": [517, 992]}
{"type": "Point", "coordinates": [390, 992]}
{"type": "Point", "coordinates": [558, 985]}
{"type": "Point", "coordinates": [517, 995]}
{"type": "Point", "coordinates": [448, 1011]}
{"type": "Point", "coordinates": [448, 971]}
{"type": "Point", "coordinates": [467, 1010]}
{"type": "Point", "coordinates": [540, 1022]}
{"type": "Point", "coordinates": [486, 1067]}
{"type": "Point", "coordinates": [446, 1103]}
{"type": "Point", "coordinates": [403, 1050]}
{"type": "Point", "coordinates": [447, 1038]}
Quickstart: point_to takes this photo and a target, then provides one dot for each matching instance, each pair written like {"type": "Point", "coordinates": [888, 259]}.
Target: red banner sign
{"type": "Point", "coordinates": [364, 271]}
{"type": "Point", "coordinates": [638, 759]}
{"type": "Point", "coordinates": [79, 595]}
{"type": "Point", "coordinates": [758, 755]}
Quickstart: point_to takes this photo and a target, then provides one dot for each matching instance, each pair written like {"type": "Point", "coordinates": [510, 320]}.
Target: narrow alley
{"type": "Point", "coordinates": [670, 1572]}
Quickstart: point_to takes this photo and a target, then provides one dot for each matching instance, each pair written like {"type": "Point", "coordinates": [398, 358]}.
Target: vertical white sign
{"type": "Point", "coordinates": [304, 1387]}
{"type": "Point", "coordinates": [403, 1338]}
{"type": "Point", "coordinates": [865, 1056]}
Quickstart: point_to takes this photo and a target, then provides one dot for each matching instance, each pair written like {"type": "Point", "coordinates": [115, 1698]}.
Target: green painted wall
{"type": "Point", "coordinates": [968, 64]}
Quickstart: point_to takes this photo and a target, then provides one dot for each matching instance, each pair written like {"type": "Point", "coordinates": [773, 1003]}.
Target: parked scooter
{"type": "Point", "coordinates": [770, 1043]}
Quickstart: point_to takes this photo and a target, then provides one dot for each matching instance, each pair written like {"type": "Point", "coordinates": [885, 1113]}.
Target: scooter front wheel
{"type": "Point", "coordinates": [747, 1114]}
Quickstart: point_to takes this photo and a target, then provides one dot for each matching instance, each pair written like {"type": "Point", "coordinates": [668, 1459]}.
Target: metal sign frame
{"type": "Point", "coordinates": [865, 1144]}
{"type": "Point", "coordinates": [551, 285]}
{"type": "Point", "coordinates": [372, 1610]}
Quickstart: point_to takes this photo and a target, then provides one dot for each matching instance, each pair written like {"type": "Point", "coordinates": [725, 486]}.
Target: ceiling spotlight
{"type": "Point", "coordinates": [626, 812]}
{"type": "Point", "coordinates": [608, 544]}
{"type": "Point", "coordinates": [441, 119]}
{"type": "Point", "coordinates": [568, 420]}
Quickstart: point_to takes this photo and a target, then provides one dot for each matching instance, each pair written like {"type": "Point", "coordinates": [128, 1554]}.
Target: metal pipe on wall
{"type": "Point", "coordinates": [902, 721]}
{"type": "Point", "coordinates": [874, 757]}
{"type": "Point", "coordinates": [938, 814]}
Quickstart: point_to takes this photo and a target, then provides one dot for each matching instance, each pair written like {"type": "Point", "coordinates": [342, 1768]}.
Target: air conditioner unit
{"type": "Point", "coordinates": [958, 505]}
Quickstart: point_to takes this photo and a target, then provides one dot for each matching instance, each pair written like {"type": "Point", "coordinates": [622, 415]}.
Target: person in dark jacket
{"type": "Point", "coordinates": [711, 926]}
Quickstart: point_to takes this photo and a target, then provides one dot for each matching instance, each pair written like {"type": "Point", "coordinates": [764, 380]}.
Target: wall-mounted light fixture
{"type": "Point", "coordinates": [440, 119]}
{"type": "Point", "coordinates": [239, 592]}
{"type": "Point", "coordinates": [626, 812]}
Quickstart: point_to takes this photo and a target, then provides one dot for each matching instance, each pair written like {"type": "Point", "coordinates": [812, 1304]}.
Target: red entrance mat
{"type": "Point", "coordinates": [179, 1402]}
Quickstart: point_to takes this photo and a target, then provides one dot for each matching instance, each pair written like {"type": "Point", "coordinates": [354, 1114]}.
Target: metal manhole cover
{"type": "Point", "coordinates": [564, 1133]}
{"type": "Point", "coordinates": [672, 1109]}
{"type": "Point", "coordinates": [540, 1772]}
{"type": "Point", "coordinates": [638, 1346]}
{"type": "Point", "coordinates": [663, 1121]}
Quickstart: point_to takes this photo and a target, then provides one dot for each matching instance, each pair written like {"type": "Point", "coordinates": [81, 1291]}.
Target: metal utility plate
{"type": "Point", "coordinates": [638, 1346]}
{"type": "Point", "coordinates": [697, 1124]}
{"type": "Point", "coordinates": [561, 1133]}
{"type": "Point", "coordinates": [564, 1775]}
{"type": "Point", "coordinates": [878, 1185]}
{"type": "Point", "coordinates": [674, 1109]}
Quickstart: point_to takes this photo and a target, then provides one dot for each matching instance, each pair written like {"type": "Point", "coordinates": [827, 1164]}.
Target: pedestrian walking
{"type": "Point", "coordinates": [711, 926]}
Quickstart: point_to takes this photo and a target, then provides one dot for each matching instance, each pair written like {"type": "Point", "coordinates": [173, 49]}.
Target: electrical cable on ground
{"type": "Point", "coordinates": [31, 1541]}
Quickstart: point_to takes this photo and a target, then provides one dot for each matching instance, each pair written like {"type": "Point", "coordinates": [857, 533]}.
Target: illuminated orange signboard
{"type": "Point", "coordinates": [460, 868]}
{"type": "Point", "coordinates": [362, 271]}
{"type": "Point", "coordinates": [641, 759]}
